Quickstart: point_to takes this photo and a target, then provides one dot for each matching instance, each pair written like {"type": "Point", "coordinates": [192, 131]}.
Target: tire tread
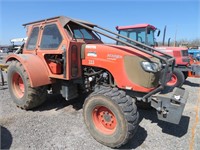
{"type": "Point", "coordinates": [35, 96]}
{"type": "Point", "coordinates": [127, 106]}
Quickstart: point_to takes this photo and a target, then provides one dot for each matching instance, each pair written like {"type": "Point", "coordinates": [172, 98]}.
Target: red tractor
{"type": "Point", "coordinates": [144, 33]}
{"type": "Point", "coordinates": [68, 57]}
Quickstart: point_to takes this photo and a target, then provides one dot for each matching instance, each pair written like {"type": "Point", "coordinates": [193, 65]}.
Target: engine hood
{"type": "Point", "coordinates": [123, 63]}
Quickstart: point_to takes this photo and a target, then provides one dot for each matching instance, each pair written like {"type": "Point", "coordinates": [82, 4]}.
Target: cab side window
{"type": "Point", "coordinates": [51, 37]}
{"type": "Point", "coordinates": [31, 45]}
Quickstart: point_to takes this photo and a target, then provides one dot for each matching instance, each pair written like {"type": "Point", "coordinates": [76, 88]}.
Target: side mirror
{"type": "Point", "coordinates": [158, 33]}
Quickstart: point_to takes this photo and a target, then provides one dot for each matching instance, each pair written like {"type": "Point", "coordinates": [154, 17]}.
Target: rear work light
{"type": "Point", "coordinates": [74, 61]}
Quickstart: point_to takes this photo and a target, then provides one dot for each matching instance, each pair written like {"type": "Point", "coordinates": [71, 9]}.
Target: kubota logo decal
{"type": "Point", "coordinates": [114, 56]}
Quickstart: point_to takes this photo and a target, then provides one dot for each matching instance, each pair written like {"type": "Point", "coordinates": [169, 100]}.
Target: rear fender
{"type": "Point", "coordinates": [35, 68]}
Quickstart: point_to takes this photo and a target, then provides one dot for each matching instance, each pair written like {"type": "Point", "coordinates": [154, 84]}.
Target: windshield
{"type": "Point", "coordinates": [79, 32]}
{"type": "Point", "coordinates": [140, 34]}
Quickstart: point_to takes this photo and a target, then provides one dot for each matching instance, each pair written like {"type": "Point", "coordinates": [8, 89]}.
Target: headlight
{"type": "Point", "coordinates": [151, 66]}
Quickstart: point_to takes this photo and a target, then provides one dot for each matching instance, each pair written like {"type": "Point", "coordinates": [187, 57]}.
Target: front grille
{"type": "Point", "coordinates": [184, 52]}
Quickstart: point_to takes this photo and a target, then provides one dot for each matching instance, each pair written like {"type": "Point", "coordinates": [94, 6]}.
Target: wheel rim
{"type": "Point", "coordinates": [173, 80]}
{"type": "Point", "coordinates": [18, 85]}
{"type": "Point", "coordinates": [104, 120]}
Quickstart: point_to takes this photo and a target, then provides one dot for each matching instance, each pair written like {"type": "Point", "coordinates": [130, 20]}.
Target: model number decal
{"type": "Point", "coordinates": [91, 62]}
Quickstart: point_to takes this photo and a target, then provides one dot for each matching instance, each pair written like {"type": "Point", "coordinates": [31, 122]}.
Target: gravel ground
{"type": "Point", "coordinates": [58, 124]}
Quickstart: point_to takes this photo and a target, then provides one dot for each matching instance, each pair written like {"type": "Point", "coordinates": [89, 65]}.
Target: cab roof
{"type": "Point", "coordinates": [135, 26]}
{"type": "Point", "coordinates": [62, 19]}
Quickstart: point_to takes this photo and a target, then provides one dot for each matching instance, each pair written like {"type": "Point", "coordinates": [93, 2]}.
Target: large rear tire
{"type": "Point", "coordinates": [111, 116]}
{"type": "Point", "coordinates": [177, 79]}
{"type": "Point", "coordinates": [21, 92]}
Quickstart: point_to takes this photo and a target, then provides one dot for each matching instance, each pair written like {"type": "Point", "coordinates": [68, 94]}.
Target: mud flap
{"type": "Point", "coordinates": [170, 106]}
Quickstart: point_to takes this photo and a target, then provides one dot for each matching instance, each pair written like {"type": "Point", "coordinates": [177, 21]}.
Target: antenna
{"type": "Point", "coordinates": [163, 43]}
{"type": "Point", "coordinates": [175, 37]}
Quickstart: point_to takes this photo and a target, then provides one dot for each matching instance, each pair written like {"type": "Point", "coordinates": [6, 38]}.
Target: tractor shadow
{"type": "Point", "coordinates": [57, 102]}
{"type": "Point", "coordinates": [191, 84]}
{"type": "Point", "coordinates": [6, 138]}
{"type": "Point", "coordinates": [168, 128]}
{"type": "Point", "coordinates": [177, 130]}
{"type": "Point", "coordinates": [137, 139]}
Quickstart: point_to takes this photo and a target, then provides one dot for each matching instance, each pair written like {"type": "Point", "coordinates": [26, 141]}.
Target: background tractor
{"type": "Point", "coordinates": [69, 57]}
{"type": "Point", "coordinates": [194, 53]}
{"type": "Point", "coordinates": [145, 33]}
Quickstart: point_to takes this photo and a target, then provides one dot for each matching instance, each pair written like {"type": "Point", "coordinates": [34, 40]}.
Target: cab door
{"type": "Point", "coordinates": [31, 45]}
{"type": "Point", "coordinates": [52, 49]}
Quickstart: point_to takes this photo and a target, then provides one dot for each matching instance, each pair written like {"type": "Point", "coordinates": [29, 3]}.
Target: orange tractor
{"type": "Point", "coordinates": [69, 57]}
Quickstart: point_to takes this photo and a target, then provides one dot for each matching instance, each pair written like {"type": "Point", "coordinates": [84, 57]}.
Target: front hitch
{"type": "Point", "coordinates": [170, 106]}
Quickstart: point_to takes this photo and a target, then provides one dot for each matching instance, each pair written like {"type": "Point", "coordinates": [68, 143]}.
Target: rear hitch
{"type": "Point", "coordinates": [170, 106]}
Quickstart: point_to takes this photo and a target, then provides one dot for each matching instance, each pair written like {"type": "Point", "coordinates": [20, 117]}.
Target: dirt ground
{"type": "Point", "coordinates": [58, 124]}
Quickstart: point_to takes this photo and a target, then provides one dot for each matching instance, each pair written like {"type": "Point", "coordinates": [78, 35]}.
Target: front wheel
{"type": "Point", "coordinates": [21, 92]}
{"type": "Point", "coordinates": [110, 116]}
{"type": "Point", "coordinates": [177, 79]}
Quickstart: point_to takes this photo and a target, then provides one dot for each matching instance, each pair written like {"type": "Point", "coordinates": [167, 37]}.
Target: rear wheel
{"type": "Point", "coordinates": [21, 92]}
{"type": "Point", "coordinates": [111, 116]}
{"type": "Point", "coordinates": [177, 79]}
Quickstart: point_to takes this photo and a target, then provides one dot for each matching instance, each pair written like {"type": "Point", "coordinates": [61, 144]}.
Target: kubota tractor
{"type": "Point", "coordinates": [144, 33]}
{"type": "Point", "coordinates": [68, 56]}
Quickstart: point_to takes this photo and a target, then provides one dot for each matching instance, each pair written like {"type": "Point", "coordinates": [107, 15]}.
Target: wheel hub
{"type": "Point", "coordinates": [18, 85]}
{"type": "Point", "coordinates": [107, 117]}
{"type": "Point", "coordinates": [104, 120]}
{"type": "Point", "coordinates": [173, 80]}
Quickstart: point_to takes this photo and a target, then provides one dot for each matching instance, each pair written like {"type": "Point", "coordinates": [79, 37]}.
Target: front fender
{"type": "Point", "coordinates": [35, 68]}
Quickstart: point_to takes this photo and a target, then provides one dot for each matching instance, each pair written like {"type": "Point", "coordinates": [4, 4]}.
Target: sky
{"type": "Point", "coordinates": [182, 17]}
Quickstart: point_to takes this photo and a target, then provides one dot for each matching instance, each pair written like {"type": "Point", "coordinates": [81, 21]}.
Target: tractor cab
{"type": "Point", "coordinates": [143, 33]}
